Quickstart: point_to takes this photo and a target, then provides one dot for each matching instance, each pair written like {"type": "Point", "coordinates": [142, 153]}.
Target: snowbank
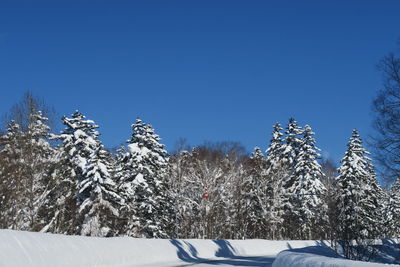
{"type": "Point", "coordinates": [22, 249]}
{"type": "Point", "coordinates": [317, 257]}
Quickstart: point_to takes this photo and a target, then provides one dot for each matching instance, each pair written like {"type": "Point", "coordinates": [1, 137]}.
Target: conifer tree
{"type": "Point", "coordinates": [356, 201]}
{"type": "Point", "coordinates": [309, 212]}
{"type": "Point", "coordinates": [95, 190]}
{"type": "Point", "coordinates": [276, 170]}
{"type": "Point", "coordinates": [144, 184]}
{"type": "Point", "coordinates": [79, 142]}
{"type": "Point", "coordinates": [392, 211]}
{"type": "Point", "coordinates": [60, 208]}
{"type": "Point", "coordinates": [291, 150]}
{"type": "Point", "coordinates": [290, 154]}
{"type": "Point", "coordinates": [100, 206]}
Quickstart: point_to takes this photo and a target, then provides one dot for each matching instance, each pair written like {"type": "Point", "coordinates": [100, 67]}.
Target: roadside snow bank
{"type": "Point", "coordinates": [317, 257]}
{"type": "Point", "coordinates": [22, 249]}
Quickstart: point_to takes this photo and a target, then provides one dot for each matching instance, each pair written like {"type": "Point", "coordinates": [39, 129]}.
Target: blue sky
{"type": "Point", "coordinates": [203, 70]}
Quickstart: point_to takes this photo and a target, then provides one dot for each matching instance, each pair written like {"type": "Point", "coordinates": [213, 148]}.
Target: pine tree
{"type": "Point", "coordinates": [96, 190]}
{"type": "Point", "coordinates": [356, 201]}
{"type": "Point", "coordinates": [144, 184]}
{"type": "Point", "coordinates": [289, 158]}
{"type": "Point", "coordinates": [276, 170]}
{"type": "Point", "coordinates": [79, 142]}
{"type": "Point", "coordinates": [99, 207]}
{"type": "Point", "coordinates": [309, 212]}
{"type": "Point", "coordinates": [291, 150]}
{"type": "Point", "coordinates": [60, 207]}
{"type": "Point", "coordinates": [392, 215]}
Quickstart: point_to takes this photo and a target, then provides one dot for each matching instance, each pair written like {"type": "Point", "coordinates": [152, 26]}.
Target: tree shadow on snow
{"type": "Point", "coordinates": [321, 248]}
{"type": "Point", "coordinates": [388, 252]}
{"type": "Point", "coordinates": [188, 253]}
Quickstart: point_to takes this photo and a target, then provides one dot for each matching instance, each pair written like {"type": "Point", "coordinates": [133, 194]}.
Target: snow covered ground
{"type": "Point", "coordinates": [22, 249]}
{"type": "Point", "coordinates": [317, 256]}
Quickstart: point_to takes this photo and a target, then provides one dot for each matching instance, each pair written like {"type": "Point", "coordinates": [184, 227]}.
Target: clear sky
{"type": "Point", "coordinates": [203, 70]}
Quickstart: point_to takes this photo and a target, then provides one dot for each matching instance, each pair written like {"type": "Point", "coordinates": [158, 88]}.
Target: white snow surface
{"type": "Point", "coordinates": [301, 259]}
{"type": "Point", "coordinates": [22, 249]}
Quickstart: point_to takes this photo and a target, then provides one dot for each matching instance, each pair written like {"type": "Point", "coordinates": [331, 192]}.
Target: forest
{"type": "Point", "coordinates": [69, 183]}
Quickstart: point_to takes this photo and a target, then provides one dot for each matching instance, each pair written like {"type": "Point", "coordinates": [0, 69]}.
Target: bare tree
{"type": "Point", "coordinates": [387, 119]}
{"type": "Point", "coordinates": [30, 104]}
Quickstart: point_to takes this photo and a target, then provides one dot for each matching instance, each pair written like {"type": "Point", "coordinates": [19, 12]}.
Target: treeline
{"type": "Point", "coordinates": [69, 183]}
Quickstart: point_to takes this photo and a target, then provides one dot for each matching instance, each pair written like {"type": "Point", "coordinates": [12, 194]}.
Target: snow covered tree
{"type": "Point", "coordinates": [79, 142]}
{"type": "Point", "coordinates": [252, 209]}
{"type": "Point", "coordinates": [206, 182]}
{"type": "Point", "coordinates": [60, 207]}
{"type": "Point", "coordinates": [144, 185]}
{"type": "Point", "coordinates": [187, 194]}
{"type": "Point", "coordinates": [100, 204]}
{"type": "Point", "coordinates": [12, 189]}
{"type": "Point", "coordinates": [306, 209]}
{"type": "Point", "coordinates": [392, 211]}
{"type": "Point", "coordinates": [356, 200]}
{"type": "Point", "coordinates": [28, 159]}
{"type": "Point", "coordinates": [289, 158]}
{"type": "Point", "coordinates": [40, 161]}
{"type": "Point", "coordinates": [276, 170]}
{"type": "Point", "coordinates": [291, 150]}
{"type": "Point", "coordinates": [95, 190]}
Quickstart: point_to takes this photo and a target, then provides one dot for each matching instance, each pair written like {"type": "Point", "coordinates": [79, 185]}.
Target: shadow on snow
{"type": "Point", "coordinates": [225, 251]}
{"type": "Point", "coordinates": [388, 252]}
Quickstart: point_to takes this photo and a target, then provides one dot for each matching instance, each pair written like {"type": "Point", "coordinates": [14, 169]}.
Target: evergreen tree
{"type": "Point", "coordinates": [291, 150]}
{"type": "Point", "coordinates": [78, 144]}
{"type": "Point", "coordinates": [144, 184]}
{"type": "Point", "coordinates": [60, 207]}
{"type": "Point", "coordinates": [96, 191]}
{"type": "Point", "coordinates": [276, 170]}
{"type": "Point", "coordinates": [356, 202]}
{"type": "Point", "coordinates": [308, 212]}
{"type": "Point", "coordinates": [290, 154]}
{"type": "Point", "coordinates": [99, 208]}
{"type": "Point", "coordinates": [392, 208]}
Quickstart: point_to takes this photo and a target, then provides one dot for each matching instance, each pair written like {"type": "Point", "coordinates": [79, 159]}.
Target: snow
{"type": "Point", "coordinates": [21, 249]}
{"type": "Point", "coordinates": [318, 257]}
